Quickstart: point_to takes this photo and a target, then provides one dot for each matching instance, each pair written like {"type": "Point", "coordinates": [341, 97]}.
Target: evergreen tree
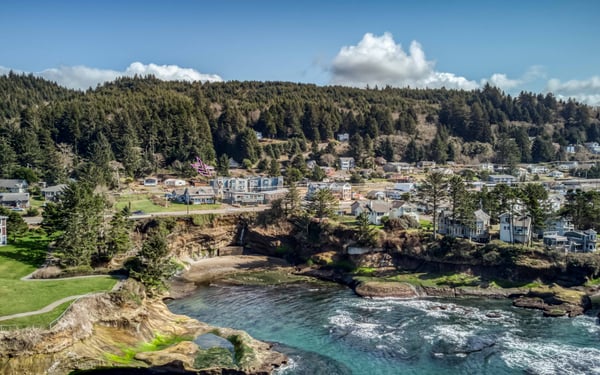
{"type": "Point", "coordinates": [365, 234]}
{"type": "Point", "coordinates": [322, 204]}
{"type": "Point", "coordinates": [79, 216]}
{"type": "Point", "coordinates": [413, 152]}
{"type": "Point", "coordinates": [153, 265]}
{"type": "Point", "coordinates": [433, 191]}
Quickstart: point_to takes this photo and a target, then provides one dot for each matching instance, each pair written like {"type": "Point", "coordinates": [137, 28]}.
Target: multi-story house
{"type": "Point", "coordinates": [515, 228]}
{"type": "Point", "coordinates": [347, 164]}
{"type": "Point", "coordinates": [342, 191]}
{"type": "Point", "coordinates": [476, 229]}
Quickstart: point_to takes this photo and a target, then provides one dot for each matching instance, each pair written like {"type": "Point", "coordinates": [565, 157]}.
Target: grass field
{"type": "Point", "coordinates": [141, 202]}
{"type": "Point", "coordinates": [41, 320]}
{"type": "Point", "coordinates": [23, 257]}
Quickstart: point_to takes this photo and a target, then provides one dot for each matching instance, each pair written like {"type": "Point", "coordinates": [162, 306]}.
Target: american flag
{"type": "Point", "coordinates": [201, 168]}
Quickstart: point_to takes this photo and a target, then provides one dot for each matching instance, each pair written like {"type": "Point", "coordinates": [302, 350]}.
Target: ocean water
{"type": "Point", "coordinates": [326, 329]}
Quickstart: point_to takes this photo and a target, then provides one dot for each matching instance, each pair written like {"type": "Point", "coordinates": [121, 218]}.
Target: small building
{"type": "Point", "coordinates": [51, 193]}
{"type": "Point", "coordinates": [3, 231]}
{"type": "Point", "coordinates": [537, 169]}
{"type": "Point", "coordinates": [568, 165]}
{"type": "Point", "coordinates": [501, 179]}
{"type": "Point", "coordinates": [487, 167]}
{"type": "Point", "coordinates": [14, 200]}
{"type": "Point", "coordinates": [426, 164]}
{"type": "Point", "coordinates": [405, 187]}
{"type": "Point", "coordinates": [13, 186]}
{"type": "Point", "coordinates": [570, 149]}
{"type": "Point", "coordinates": [343, 137]}
{"type": "Point", "coordinates": [174, 182]}
{"type": "Point", "coordinates": [556, 174]}
{"type": "Point", "coordinates": [515, 229]}
{"type": "Point", "coordinates": [150, 181]}
{"type": "Point", "coordinates": [347, 164]}
{"type": "Point", "coordinates": [259, 135]}
{"type": "Point", "coordinates": [398, 167]}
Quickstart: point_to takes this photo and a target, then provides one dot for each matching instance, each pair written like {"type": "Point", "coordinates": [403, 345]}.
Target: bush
{"type": "Point", "coordinates": [32, 211]}
{"type": "Point", "coordinates": [401, 223]}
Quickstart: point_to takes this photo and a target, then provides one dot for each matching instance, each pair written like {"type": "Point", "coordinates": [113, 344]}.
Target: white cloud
{"type": "Point", "coordinates": [378, 60]}
{"type": "Point", "coordinates": [585, 91]}
{"type": "Point", "coordinates": [82, 77]}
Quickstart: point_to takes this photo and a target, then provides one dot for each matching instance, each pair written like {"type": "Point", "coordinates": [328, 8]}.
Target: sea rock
{"type": "Point", "coordinates": [555, 301]}
{"type": "Point", "coordinates": [385, 289]}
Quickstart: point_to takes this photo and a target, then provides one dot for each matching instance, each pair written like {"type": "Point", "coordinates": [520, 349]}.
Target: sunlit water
{"type": "Point", "coordinates": [326, 329]}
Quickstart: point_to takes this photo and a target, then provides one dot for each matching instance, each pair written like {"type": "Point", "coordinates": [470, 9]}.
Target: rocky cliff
{"type": "Point", "coordinates": [123, 329]}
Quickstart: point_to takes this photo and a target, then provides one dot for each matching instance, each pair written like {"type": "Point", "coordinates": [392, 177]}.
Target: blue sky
{"type": "Point", "coordinates": [517, 45]}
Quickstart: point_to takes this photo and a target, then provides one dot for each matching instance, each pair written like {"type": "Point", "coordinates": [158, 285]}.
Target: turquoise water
{"type": "Point", "coordinates": [326, 329]}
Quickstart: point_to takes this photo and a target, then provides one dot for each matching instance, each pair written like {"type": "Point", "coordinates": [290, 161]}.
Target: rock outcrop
{"type": "Point", "coordinates": [119, 329]}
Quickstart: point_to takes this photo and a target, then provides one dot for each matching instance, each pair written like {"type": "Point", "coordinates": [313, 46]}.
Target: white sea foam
{"type": "Point", "coordinates": [363, 330]}
{"type": "Point", "coordinates": [549, 358]}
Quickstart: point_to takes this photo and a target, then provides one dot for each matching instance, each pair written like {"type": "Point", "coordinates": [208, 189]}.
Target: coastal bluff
{"type": "Point", "coordinates": [124, 330]}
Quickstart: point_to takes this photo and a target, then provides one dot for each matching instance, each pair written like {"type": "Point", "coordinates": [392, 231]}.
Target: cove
{"type": "Point", "coordinates": [327, 329]}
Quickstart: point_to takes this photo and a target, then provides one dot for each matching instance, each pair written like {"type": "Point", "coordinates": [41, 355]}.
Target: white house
{"type": "Point", "coordinates": [343, 137]}
{"type": "Point", "coordinates": [375, 209]}
{"type": "Point", "coordinates": [51, 193]}
{"type": "Point", "coordinates": [537, 169]}
{"type": "Point", "coordinates": [401, 208]}
{"type": "Point", "coordinates": [405, 187]}
{"type": "Point", "coordinates": [487, 167]}
{"type": "Point", "coordinates": [568, 165]}
{"type": "Point", "coordinates": [501, 179]}
{"type": "Point", "coordinates": [150, 181]}
{"type": "Point", "coordinates": [426, 164]}
{"type": "Point", "coordinates": [556, 174]}
{"type": "Point", "coordinates": [342, 191]}
{"type": "Point", "coordinates": [477, 229]}
{"type": "Point", "coordinates": [174, 182]}
{"type": "Point", "coordinates": [570, 149]}
{"type": "Point", "coordinates": [13, 185]}
{"type": "Point", "coordinates": [515, 229]}
{"type": "Point", "coordinates": [347, 164]}
{"type": "Point", "coordinates": [3, 232]}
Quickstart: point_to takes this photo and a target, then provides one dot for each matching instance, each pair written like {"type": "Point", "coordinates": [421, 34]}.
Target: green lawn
{"type": "Point", "coordinates": [41, 320]}
{"type": "Point", "coordinates": [23, 257]}
{"type": "Point", "coordinates": [141, 202]}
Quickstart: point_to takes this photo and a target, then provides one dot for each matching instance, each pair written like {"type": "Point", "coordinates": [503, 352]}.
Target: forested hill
{"type": "Point", "coordinates": [142, 124]}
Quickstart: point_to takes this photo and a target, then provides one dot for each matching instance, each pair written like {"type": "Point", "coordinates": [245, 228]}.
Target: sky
{"type": "Point", "coordinates": [539, 46]}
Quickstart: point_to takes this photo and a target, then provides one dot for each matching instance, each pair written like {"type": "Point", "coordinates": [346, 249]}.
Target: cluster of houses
{"type": "Point", "coordinates": [593, 147]}
{"type": "Point", "coordinates": [233, 190]}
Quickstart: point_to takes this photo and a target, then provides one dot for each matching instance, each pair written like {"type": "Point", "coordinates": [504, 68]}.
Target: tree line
{"type": "Point", "coordinates": [137, 125]}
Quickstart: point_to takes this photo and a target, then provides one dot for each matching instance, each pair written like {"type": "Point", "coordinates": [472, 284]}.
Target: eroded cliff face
{"type": "Point", "coordinates": [110, 329]}
{"type": "Point", "coordinates": [198, 237]}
